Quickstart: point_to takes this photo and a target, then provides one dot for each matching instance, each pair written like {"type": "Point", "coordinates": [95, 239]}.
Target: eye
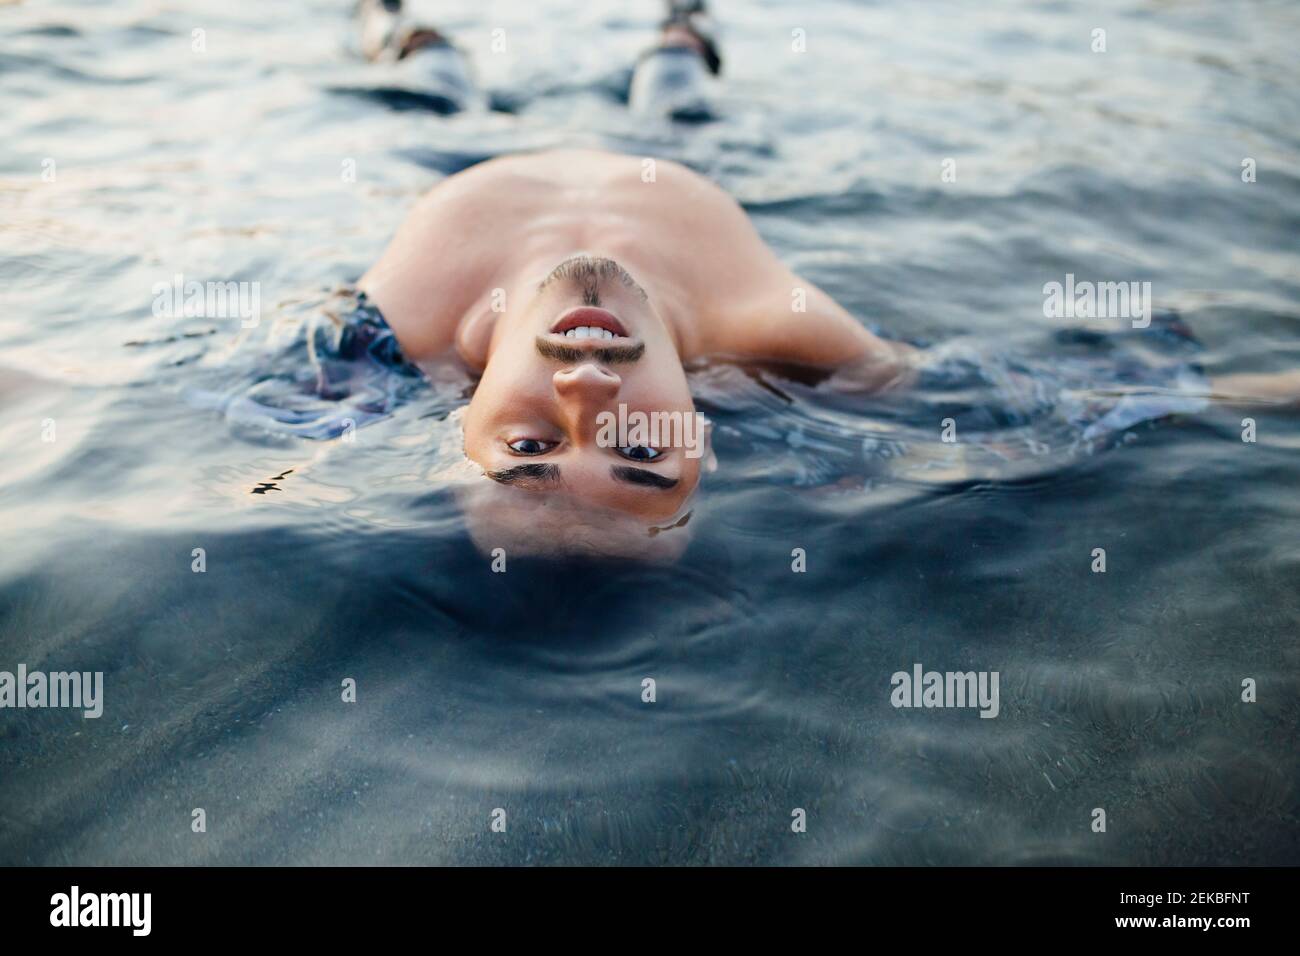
{"type": "Point", "coordinates": [640, 453]}
{"type": "Point", "coordinates": [530, 446]}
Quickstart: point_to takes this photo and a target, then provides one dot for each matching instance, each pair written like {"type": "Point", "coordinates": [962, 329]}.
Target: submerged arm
{"type": "Point", "coordinates": [1280, 389]}
{"type": "Point", "coordinates": [889, 367]}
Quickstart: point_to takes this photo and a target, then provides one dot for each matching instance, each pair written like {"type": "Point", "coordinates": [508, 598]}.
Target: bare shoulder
{"type": "Point", "coordinates": [442, 256]}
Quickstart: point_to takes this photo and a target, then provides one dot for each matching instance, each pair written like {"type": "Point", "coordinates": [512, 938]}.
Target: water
{"type": "Point", "coordinates": [327, 561]}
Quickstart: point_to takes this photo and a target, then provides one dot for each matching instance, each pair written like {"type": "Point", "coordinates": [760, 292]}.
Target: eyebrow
{"type": "Point", "coordinates": [536, 473]}
{"type": "Point", "coordinates": [640, 476]}
{"type": "Point", "coordinates": [610, 356]}
{"type": "Point", "coordinates": [532, 473]}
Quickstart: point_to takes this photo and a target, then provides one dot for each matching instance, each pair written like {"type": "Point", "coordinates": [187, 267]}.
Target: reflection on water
{"type": "Point", "coordinates": [524, 691]}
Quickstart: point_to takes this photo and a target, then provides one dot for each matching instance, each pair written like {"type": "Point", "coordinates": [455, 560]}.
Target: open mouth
{"type": "Point", "coordinates": [587, 322]}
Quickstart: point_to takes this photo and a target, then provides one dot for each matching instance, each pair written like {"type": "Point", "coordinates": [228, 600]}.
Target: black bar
{"type": "Point", "coordinates": [330, 906]}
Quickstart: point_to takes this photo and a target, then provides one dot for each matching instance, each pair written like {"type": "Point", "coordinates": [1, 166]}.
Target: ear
{"type": "Point", "coordinates": [451, 466]}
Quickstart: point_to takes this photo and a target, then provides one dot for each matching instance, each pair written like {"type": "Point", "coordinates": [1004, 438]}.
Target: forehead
{"type": "Point", "coordinates": [582, 487]}
{"type": "Point", "coordinates": [552, 523]}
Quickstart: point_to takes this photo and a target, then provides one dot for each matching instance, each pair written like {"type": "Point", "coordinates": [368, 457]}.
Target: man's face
{"type": "Point", "coordinates": [588, 343]}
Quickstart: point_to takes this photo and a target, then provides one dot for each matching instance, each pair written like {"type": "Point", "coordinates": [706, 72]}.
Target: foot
{"type": "Point", "coordinates": [387, 35]}
{"type": "Point", "coordinates": [380, 21]}
{"type": "Point", "coordinates": [688, 24]}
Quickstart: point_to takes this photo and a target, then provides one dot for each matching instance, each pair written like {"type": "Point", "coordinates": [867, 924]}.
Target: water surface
{"type": "Point", "coordinates": [523, 691]}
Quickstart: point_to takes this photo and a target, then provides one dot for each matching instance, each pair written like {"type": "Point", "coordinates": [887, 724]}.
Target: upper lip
{"type": "Point", "coordinates": [589, 316]}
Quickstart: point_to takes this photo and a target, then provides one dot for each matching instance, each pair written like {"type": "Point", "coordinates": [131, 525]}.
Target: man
{"type": "Point", "coordinates": [577, 285]}
{"type": "Point", "coordinates": [574, 287]}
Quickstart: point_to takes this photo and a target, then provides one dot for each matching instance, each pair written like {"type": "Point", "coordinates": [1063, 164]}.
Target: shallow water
{"type": "Point", "coordinates": [522, 691]}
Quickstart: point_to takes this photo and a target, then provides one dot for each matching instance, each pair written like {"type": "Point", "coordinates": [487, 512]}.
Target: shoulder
{"type": "Point", "coordinates": [784, 317]}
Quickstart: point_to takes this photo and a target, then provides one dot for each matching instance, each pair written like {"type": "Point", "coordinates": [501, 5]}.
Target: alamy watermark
{"type": "Point", "coordinates": [83, 691]}
{"type": "Point", "coordinates": [1098, 300]}
{"type": "Point", "coordinates": [75, 908]}
{"type": "Point", "coordinates": [922, 688]}
{"type": "Point", "coordinates": [211, 300]}
{"type": "Point", "coordinates": [683, 430]}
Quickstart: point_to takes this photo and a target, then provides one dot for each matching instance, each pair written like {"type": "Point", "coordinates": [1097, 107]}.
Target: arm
{"type": "Point", "coordinates": [1281, 389]}
{"type": "Point", "coordinates": [794, 321]}
{"type": "Point", "coordinates": [889, 369]}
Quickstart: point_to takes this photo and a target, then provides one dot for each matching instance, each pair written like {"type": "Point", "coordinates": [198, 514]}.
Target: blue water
{"type": "Point", "coordinates": [523, 691]}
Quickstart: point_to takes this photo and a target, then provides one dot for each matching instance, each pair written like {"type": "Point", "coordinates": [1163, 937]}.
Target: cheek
{"type": "Point", "coordinates": [504, 398]}
{"type": "Point", "coordinates": [663, 394]}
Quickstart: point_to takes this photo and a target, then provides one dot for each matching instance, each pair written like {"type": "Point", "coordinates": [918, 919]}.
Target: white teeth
{"type": "Point", "coordinates": [589, 332]}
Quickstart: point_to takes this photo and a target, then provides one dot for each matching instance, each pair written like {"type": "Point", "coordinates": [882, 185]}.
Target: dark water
{"type": "Point", "coordinates": [522, 691]}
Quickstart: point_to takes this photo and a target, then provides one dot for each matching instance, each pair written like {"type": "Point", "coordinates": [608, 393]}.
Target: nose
{"type": "Point", "coordinates": [586, 383]}
{"type": "Point", "coordinates": [583, 391]}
